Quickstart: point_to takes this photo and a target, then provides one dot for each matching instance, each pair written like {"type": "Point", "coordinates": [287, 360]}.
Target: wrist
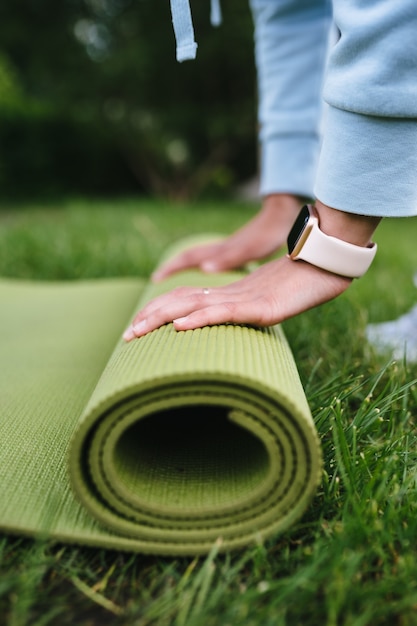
{"type": "Point", "coordinates": [345, 249]}
{"type": "Point", "coordinates": [281, 208]}
{"type": "Point", "coordinates": [350, 227]}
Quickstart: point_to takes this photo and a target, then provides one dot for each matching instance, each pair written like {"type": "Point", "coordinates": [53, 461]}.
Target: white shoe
{"type": "Point", "coordinates": [398, 336]}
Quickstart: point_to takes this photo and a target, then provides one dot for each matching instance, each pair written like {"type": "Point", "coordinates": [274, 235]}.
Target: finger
{"type": "Point", "coordinates": [236, 312]}
{"type": "Point", "coordinates": [177, 303]}
{"type": "Point", "coordinates": [200, 297]}
{"type": "Point", "coordinates": [181, 294]}
{"type": "Point", "coordinates": [159, 317]}
{"type": "Point", "coordinates": [187, 259]}
{"type": "Point", "coordinates": [230, 256]}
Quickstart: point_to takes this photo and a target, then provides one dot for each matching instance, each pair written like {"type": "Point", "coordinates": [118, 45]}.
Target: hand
{"type": "Point", "coordinates": [273, 293]}
{"type": "Point", "coordinates": [259, 238]}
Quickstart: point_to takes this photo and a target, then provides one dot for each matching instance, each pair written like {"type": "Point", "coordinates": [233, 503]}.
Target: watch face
{"type": "Point", "coordinates": [298, 228]}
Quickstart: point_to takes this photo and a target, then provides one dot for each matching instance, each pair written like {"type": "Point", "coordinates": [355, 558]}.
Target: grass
{"type": "Point", "coordinates": [352, 559]}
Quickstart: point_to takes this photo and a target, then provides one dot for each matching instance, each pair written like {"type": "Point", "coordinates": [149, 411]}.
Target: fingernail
{"type": "Point", "coordinates": [180, 320]}
{"type": "Point", "coordinates": [128, 335]}
{"type": "Point", "coordinates": [139, 328]}
{"type": "Point", "coordinates": [209, 267]}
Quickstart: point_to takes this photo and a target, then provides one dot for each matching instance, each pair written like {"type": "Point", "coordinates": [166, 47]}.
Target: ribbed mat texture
{"type": "Point", "coordinates": [162, 445]}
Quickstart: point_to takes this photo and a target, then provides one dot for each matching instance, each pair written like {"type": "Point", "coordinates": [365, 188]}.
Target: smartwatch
{"type": "Point", "coordinates": [307, 242]}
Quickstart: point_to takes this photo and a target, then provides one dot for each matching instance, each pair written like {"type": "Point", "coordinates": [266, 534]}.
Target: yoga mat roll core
{"type": "Point", "coordinates": [163, 445]}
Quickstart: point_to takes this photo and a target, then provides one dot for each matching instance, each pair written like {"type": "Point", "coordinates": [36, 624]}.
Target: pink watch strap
{"type": "Point", "coordinates": [334, 255]}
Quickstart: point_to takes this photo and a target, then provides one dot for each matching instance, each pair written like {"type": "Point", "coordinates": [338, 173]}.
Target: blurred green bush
{"type": "Point", "coordinates": [93, 100]}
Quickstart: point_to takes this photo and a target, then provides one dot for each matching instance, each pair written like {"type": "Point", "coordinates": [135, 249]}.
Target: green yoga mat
{"type": "Point", "coordinates": [163, 445]}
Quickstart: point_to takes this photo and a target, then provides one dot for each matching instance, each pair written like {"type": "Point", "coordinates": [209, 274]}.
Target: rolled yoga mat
{"type": "Point", "coordinates": [163, 445]}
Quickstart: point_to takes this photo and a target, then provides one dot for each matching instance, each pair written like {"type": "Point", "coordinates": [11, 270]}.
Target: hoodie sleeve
{"type": "Point", "coordinates": [367, 155]}
{"type": "Point", "coordinates": [291, 47]}
{"type": "Point", "coordinates": [368, 161]}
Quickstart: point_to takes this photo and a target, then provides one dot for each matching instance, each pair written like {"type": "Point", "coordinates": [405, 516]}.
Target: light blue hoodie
{"type": "Point", "coordinates": [361, 155]}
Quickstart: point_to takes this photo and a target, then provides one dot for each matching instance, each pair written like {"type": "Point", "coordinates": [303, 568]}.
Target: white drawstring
{"type": "Point", "coordinates": [183, 29]}
{"type": "Point", "coordinates": [215, 13]}
{"type": "Point", "coordinates": [183, 26]}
